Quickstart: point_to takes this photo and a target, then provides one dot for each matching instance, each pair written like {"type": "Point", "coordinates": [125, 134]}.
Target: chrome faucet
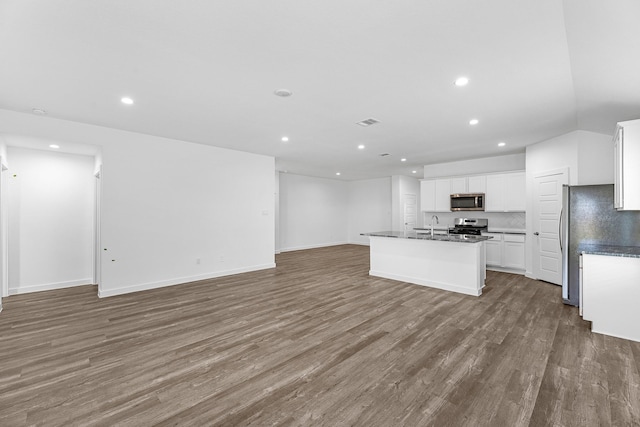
{"type": "Point", "coordinates": [437, 222]}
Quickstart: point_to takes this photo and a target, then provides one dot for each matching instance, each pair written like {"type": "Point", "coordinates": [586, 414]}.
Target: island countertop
{"type": "Point", "coordinates": [457, 238]}
{"type": "Point", "coordinates": [610, 250]}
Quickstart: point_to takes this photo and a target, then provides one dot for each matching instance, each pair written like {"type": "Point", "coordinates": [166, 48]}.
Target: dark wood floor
{"type": "Point", "coordinates": [314, 342]}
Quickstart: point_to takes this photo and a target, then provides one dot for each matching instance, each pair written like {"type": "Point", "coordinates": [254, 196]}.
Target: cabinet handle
{"type": "Point", "coordinates": [536, 234]}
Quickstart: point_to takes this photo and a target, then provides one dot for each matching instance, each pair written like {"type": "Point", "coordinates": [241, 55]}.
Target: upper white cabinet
{"type": "Point", "coordinates": [459, 185]}
{"type": "Point", "coordinates": [443, 195]}
{"type": "Point", "coordinates": [469, 184]}
{"type": "Point", "coordinates": [626, 145]}
{"type": "Point", "coordinates": [477, 184]}
{"type": "Point", "coordinates": [428, 195]}
{"type": "Point", "coordinates": [435, 195]}
{"type": "Point", "coordinates": [494, 196]}
{"type": "Point", "coordinates": [506, 192]}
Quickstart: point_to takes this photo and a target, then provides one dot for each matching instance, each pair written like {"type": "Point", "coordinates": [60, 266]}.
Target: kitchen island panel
{"type": "Point", "coordinates": [451, 266]}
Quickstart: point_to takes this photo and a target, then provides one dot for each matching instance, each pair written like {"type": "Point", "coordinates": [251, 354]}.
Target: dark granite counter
{"type": "Point", "coordinates": [458, 238]}
{"type": "Point", "coordinates": [610, 250]}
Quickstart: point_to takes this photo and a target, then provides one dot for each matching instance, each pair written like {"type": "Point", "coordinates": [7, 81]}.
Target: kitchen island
{"type": "Point", "coordinates": [449, 262]}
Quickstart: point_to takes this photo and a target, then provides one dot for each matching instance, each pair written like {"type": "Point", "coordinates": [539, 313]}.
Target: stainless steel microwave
{"type": "Point", "coordinates": [467, 202]}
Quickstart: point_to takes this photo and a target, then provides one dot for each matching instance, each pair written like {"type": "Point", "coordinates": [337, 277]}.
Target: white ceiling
{"type": "Point", "coordinates": [205, 72]}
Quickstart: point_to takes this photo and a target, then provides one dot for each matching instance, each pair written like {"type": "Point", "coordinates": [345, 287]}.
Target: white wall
{"type": "Point", "coordinates": [317, 212]}
{"type": "Point", "coordinates": [313, 212]}
{"type": "Point", "coordinates": [168, 203]}
{"type": "Point", "coordinates": [509, 162]}
{"type": "Point", "coordinates": [51, 207]}
{"type": "Point", "coordinates": [369, 208]}
{"type": "Point", "coordinates": [595, 158]}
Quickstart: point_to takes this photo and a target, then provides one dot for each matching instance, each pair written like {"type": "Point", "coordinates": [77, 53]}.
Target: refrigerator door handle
{"type": "Point", "coordinates": [560, 229]}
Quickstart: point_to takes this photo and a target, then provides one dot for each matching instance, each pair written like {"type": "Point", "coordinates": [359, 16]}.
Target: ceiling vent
{"type": "Point", "coordinates": [368, 122]}
{"type": "Point", "coordinates": [284, 93]}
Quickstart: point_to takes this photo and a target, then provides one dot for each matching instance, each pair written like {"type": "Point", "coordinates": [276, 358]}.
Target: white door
{"type": "Point", "coordinates": [547, 256]}
{"type": "Point", "coordinates": [410, 211]}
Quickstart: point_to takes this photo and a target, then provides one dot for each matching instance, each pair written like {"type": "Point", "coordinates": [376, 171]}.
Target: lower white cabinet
{"type": "Point", "coordinates": [610, 295]}
{"type": "Point", "coordinates": [494, 248]}
{"type": "Point", "coordinates": [506, 251]}
{"type": "Point", "coordinates": [513, 251]}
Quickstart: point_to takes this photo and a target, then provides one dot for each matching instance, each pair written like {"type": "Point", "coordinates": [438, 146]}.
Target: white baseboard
{"type": "Point", "coordinates": [505, 270]}
{"type": "Point", "coordinates": [322, 245]}
{"type": "Point", "coordinates": [180, 280]}
{"type": "Point", "coordinates": [49, 286]}
{"type": "Point", "coordinates": [429, 283]}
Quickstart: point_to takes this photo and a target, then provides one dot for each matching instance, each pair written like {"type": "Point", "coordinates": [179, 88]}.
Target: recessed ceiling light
{"type": "Point", "coordinates": [54, 146]}
{"type": "Point", "coordinates": [501, 144]}
{"type": "Point", "coordinates": [126, 100]}
{"type": "Point", "coordinates": [285, 138]}
{"type": "Point", "coordinates": [39, 111]}
{"type": "Point", "coordinates": [474, 122]}
{"type": "Point", "coordinates": [403, 160]}
{"type": "Point", "coordinates": [284, 93]}
{"type": "Point", "coordinates": [414, 171]}
{"type": "Point", "coordinates": [338, 173]}
{"type": "Point", "coordinates": [461, 81]}
{"type": "Point", "coordinates": [361, 147]}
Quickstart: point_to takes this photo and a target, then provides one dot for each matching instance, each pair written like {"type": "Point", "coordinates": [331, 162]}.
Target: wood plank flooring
{"type": "Point", "coordinates": [313, 342]}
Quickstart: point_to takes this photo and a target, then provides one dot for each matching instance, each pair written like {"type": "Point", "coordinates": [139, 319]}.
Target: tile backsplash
{"type": "Point", "coordinates": [496, 219]}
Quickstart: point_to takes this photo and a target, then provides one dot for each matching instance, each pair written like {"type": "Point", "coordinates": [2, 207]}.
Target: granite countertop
{"type": "Point", "coordinates": [457, 238]}
{"type": "Point", "coordinates": [435, 227]}
{"type": "Point", "coordinates": [507, 230]}
{"type": "Point", "coordinates": [610, 250]}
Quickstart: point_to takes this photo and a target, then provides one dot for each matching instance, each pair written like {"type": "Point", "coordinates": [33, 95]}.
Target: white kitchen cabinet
{"type": "Point", "coordinates": [477, 184]}
{"type": "Point", "coordinates": [459, 185]}
{"type": "Point", "coordinates": [428, 195]}
{"type": "Point", "coordinates": [513, 251]}
{"type": "Point", "coordinates": [443, 195]}
{"type": "Point", "coordinates": [505, 251]}
{"type": "Point", "coordinates": [494, 196]}
{"type": "Point", "coordinates": [435, 195]}
{"type": "Point", "coordinates": [626, 145]}
{"type": "Point", "coordinates": [494, 249]}
{"type": "Point", "coordinates": [469, 184]}
{"type": "Point", "coordinates": [506, 192]}
{"type": "Point", "coordinates": [610, 294]}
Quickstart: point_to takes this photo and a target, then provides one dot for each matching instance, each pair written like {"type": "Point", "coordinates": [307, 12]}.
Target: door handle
{"type": "Point", "coordinates": [536, 234]}
{"type": "Point", "coordinates": [560, 230]}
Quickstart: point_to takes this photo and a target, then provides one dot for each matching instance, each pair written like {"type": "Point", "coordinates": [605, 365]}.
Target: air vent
{"type": "Point", "coordinates": [284, 93]}
{"type": "Point", "coordinates": [368, 122]}
{"type": "Point", "coordinates": [384, 154]}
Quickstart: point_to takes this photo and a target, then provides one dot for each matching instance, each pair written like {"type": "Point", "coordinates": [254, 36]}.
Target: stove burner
{"type": "Point", "coordinates": [470, 226]}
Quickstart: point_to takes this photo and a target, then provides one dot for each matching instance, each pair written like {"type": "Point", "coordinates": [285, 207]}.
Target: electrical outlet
{"type": "Point", "coordinates": [197, 260]}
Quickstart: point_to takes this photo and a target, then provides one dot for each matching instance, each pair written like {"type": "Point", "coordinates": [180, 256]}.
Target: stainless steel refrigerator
{"type": "Point", "coordinates": [588, 217]}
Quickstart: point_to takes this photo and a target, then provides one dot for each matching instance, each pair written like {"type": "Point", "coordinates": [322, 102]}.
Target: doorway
{"type": "Point", "coordinates": [51, 220]}
{"type": "Point", "coordinates": [547, 210]}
